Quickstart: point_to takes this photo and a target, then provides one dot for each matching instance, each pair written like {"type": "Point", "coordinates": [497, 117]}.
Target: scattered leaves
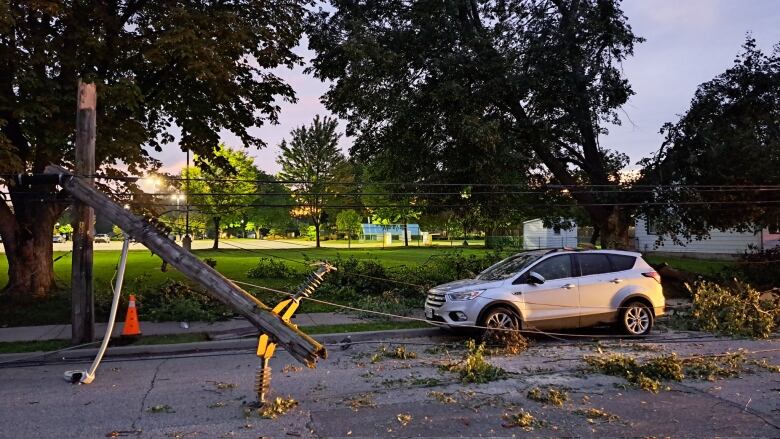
{"type": "Point", "coordinates": [553, 396]}
{"type": "Point", "coordinates": [277, 407]}
{"type": "Point", "coordinates": [161, 408]}
{"type": "Point", "coordinates": [474, 368]}
{"type": "Point", "coordinates": [444, 398]}
{"type": "Point", "coordinates": [358, 402]}
{"type": "Point", "coordinates": [222, 385]}
{"type": "Point", "coordinates": [522, 419]}
{"type": "Point", "coordinates": [505, 342]}
{"type": "Point", "coordinates": [404, 418]}
{"type": "Point", "coordinates": [646, 376]}
{"type": "Point", "coordinates": [398, 353]}
{"type": "Point", "coordinates": [425, 382]}
{"type": "Point", "coordinates": [291, 368]}
{"type": "Point", "coordinates": [593, 414]}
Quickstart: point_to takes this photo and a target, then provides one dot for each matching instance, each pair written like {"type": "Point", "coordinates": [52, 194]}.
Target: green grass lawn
{"type": "Point", "coordinates": [700, 266]}
{"type": "Point", "coordinates": [143, 272]}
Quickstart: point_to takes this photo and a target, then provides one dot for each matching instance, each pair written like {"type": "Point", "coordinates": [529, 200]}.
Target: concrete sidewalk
{"type": "Point", "coordinates": [62, 332]}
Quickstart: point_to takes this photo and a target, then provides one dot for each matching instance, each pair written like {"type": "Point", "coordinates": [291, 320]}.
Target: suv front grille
{"type": "Point", "coordinates": [435, 299]}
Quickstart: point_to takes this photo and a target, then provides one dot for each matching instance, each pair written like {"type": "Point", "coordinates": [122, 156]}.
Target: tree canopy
{"type": "Point", "coordinates": [311, 163]}
{"type": "Point", "coordinates": [499, 92]}
{"type": "Point", "coordinates": [222, 193]}
{"type": "Point", "coordinates": [729, 138]}
{"type": "Point", "coordinates": [201, 67]}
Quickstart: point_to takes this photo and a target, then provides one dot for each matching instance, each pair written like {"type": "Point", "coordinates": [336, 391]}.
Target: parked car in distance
{"type": "Point", "coordinates": [102, 237]}
{"type": "Point", "coordinates": [554, 289]}
{"type": "Point", "coordinates": [58, 238]}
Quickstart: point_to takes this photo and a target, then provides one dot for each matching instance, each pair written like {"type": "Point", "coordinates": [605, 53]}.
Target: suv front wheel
{"type": "Point", "coordinates": [636, 319]}
{"type": "Point", "coordinates": [501, 318]}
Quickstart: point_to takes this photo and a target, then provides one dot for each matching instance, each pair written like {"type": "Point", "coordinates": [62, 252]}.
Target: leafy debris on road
{"type": "Point", "coordinates": [646, 376]}
{"type": "Point", "coordinates": [505, 342]}
{"type": "Point", "coordinates": [522, 419]}
{"type": "Point", "coordinates": [594, 414]}
{"type": "Point", "coordinates": [553, 396]}
{"type": "Point", "coordinates": [734, 309]}
{"type": "Point", "coordinates": [161, 408]}
{"type": "Point", "coordinates": [398, 353]}
{"type": "Point", "coordinates": [217, 404]}
{"type": "Point", "coordinates": [474, 368]}
{"type": "Point", "coordinates": [358, 402]}
{"type": "Point", "coordinates": [649, 374]}
{"type": "Point", "coordinates": [291, 368]}
{"type": "Point", "coordinates": [444, 398]}
{"type": "Point", "coordinates": [404, 418]}
{"type": "Point", "coordinates": [278, 407]}
{"type": "Point", "coordinates": [220, 385]}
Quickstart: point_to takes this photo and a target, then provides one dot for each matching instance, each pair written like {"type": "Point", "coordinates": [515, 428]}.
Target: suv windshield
{"type": "Point", "coordinates": [510, 266]}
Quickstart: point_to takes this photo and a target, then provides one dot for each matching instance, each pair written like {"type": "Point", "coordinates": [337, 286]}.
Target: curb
{"type": "Point", "coordinates": [248, 344]}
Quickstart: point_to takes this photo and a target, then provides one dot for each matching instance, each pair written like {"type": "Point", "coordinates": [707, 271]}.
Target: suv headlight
{"type": "Point", "coordinates": [465, 295]}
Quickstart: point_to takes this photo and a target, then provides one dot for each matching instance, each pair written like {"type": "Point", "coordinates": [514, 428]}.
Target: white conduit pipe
{"type": "Point", "coordinates": [86, 377]}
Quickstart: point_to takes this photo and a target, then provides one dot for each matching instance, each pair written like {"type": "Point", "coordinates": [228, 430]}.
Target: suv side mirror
{"type": "Point", "coordinates": [535, 278]}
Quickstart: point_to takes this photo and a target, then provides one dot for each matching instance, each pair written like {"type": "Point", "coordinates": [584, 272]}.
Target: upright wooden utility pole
{"type": "Point", "coordinates": [82, 285]}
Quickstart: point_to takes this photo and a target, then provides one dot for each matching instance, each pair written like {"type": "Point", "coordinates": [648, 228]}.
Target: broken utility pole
{"type": "Point", "coordinates": [82, 284]}
{"type": "Point", "coordinates": [299, 345]}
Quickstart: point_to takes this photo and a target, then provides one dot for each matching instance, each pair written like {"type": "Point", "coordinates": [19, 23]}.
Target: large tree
{"type": "Point", "coordinates": [313, 165]}
{"type": "Point", "coordinates": [201, 66]}
{"type": "Point", "coordinates": [719, 166]}
{"type": "Point", "coordinates": [223, 187]}
{"type": "Point", "coordinates": [516, 83]}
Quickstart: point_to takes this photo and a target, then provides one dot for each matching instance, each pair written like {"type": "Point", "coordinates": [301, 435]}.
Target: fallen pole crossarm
{"type": "Point", "coordinates": [302, 347]}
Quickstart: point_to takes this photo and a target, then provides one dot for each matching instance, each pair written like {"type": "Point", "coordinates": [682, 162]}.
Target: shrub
{"type": "Point", "coordinates": [759, 268]}
{"type": "Point", "coordinates": [176, 301]}
{"type": "Point", "coordinates": [732, 309]}
{"type": "Point", "coordinates": [211, 262]}
{"type": "Point", "coordinates": [367, 277]}
{"type": "Point", "coordinates": [270, 268]}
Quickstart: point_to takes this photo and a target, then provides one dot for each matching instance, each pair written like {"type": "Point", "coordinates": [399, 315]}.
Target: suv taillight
{"type": "Point", "coordinates": [654, 275]}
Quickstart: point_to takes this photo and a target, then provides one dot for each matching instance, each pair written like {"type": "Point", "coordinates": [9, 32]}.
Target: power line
{"type": "Point", "coordinates": [465, 184]}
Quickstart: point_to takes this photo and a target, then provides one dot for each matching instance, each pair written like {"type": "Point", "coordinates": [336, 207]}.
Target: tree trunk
{"type": "Point", "coordinates": [216, 233]}
{"type": "Point", "coordinates": [614, 229]}
{"type": "Point", "coordinates": [317, 232]}
{"type": "Point", "coordinates": [27, 237]}
{"type": "Point", "coordinates": [594, 238]}
{"type": "Point", "coordinates": [406, 233]}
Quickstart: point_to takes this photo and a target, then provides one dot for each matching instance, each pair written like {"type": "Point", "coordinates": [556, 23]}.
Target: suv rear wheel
{"type": "Point", "coordinates": [636, 319]}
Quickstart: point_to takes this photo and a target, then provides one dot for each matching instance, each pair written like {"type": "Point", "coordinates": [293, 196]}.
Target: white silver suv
{"type": "Point", "coordinates": [554, 289]}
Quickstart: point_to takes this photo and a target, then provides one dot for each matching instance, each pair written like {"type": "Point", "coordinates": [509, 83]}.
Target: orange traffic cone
{"type": "Point", "coordinates": [131, 328]}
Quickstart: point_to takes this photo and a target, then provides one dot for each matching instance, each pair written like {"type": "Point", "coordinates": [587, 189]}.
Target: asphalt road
{"type": "Point", "coordinates": [348, 395]}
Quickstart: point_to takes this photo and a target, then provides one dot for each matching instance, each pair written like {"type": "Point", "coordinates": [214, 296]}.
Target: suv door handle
{"type": "Point", "coordinates": [616, 281]}
{"type": "Point", "coordinates": [568, 286]}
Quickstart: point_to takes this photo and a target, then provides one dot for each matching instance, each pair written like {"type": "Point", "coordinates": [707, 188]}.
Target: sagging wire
{"type": "Point", "coordinates": [433, 323]}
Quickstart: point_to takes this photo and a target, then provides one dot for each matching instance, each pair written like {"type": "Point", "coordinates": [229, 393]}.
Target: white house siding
{"type": "Point", "coordinates": [725, 243]}
{"type": "Point", "coordinates": [536, 236]}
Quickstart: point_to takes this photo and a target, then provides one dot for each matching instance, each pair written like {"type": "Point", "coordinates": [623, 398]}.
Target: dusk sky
{"type": "Point", "coordinates": [688, 42]}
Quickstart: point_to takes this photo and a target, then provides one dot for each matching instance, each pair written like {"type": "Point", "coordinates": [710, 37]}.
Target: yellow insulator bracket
{"type": "Point", "coordinates": [286, 308]}
{"type": "Point", "coordinates": [265, 347]}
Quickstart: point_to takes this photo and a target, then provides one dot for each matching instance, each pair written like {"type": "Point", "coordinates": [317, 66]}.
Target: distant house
{"type": "Point", "coordinates": [726, 244]}
{"type": "Point", "coordinates": [536, 235]}
{"type": "Point", "coordinates": [376, 232]}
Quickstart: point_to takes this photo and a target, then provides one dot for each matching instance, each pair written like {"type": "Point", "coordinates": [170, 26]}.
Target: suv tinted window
{"type": "Point", "coordinates": [594, 264]}
{"type": "Point", "coordinates": [621, 262]}
{"type": "Point", "coordinates": [556, 267]}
